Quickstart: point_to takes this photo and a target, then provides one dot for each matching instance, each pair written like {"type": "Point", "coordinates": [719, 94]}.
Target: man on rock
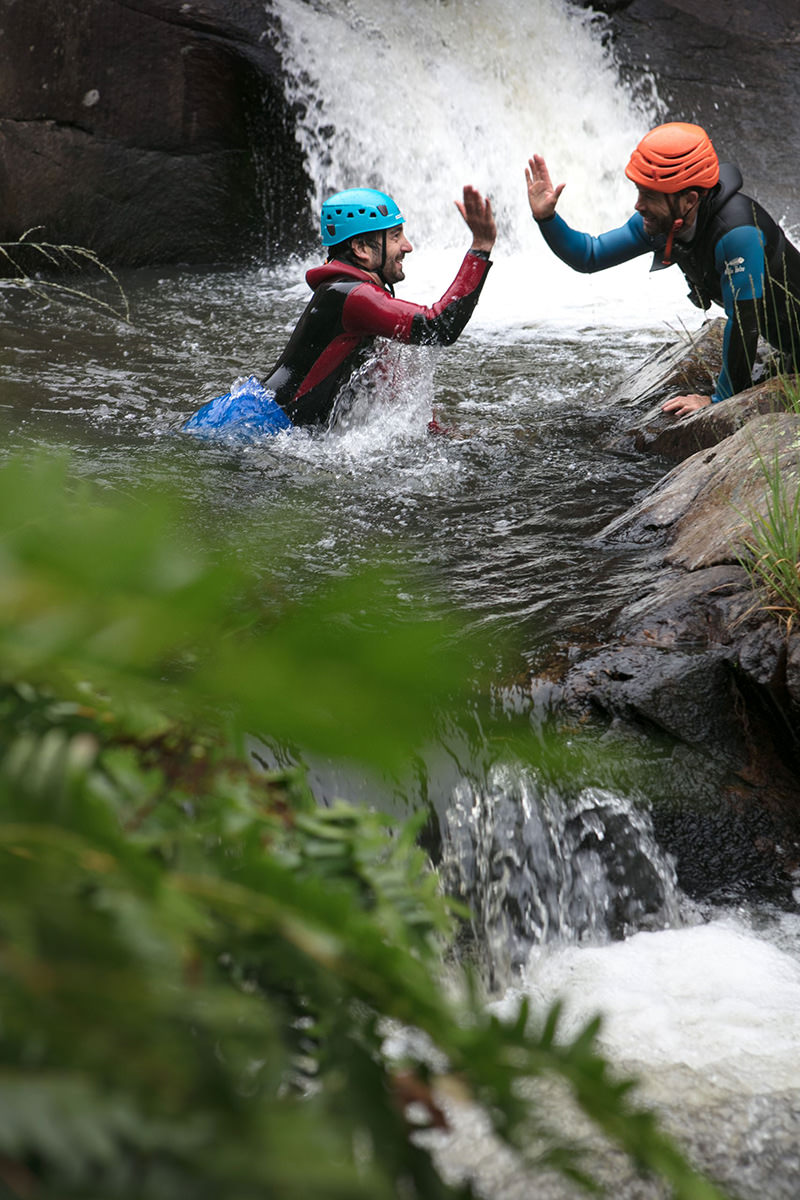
{"type": "Point", "coordinates": [353, 303]}
{"type": "Point", "coordinates": [690, 211]}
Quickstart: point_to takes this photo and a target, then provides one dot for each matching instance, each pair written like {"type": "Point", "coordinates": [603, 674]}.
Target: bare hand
{"type": "Point", "coordinates": [478, 214]}
{"type": "Point", "coordinates": [542, 196]}
{"type": "Point", "coordinates": [681, 406]}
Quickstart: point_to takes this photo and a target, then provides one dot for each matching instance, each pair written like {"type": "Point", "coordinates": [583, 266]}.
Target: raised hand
{"type": "Point", "coordinates": [478, 215]}
{"type": "Point", "coordinates": [542, 196]}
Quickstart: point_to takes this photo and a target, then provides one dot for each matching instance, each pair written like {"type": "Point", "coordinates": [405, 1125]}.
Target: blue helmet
{"type": "Point", "coordinates": [355, 211]}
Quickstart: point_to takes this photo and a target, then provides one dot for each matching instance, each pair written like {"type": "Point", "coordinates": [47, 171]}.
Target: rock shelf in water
{"type": "Point", "coordinates": [695, 655]}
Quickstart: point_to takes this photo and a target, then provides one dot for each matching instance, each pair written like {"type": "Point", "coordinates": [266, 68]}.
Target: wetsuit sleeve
{"type": "Point", "coordinates": [739, 258]}
{"type": "Point", "coordinates": [369, 310]}
{"type": "Point", "coordinates": [585, 253]}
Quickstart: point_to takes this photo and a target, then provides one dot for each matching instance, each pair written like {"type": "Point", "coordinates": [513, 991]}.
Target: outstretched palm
{"type": "Point", "coordinates": [478, 215]}
{"type": "Point", "coordinates": [542, 196]}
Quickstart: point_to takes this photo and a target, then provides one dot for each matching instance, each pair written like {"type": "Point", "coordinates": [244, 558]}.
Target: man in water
{"type": "Point", "coordinates": [353, 302]}
{"type": "Point", "coordinates": [690, 211]}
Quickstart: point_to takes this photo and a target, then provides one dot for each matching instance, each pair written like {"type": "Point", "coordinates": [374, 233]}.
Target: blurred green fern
{"type": "Point", "coordinates": [197, 962]}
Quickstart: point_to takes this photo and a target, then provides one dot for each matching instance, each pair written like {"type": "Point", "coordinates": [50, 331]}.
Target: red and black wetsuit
{"type": "Point", "coordinates": [347, 311]}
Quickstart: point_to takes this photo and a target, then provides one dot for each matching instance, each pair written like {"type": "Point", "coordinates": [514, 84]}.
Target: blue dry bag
{"type": "Point", "coordinates": [247, 410]}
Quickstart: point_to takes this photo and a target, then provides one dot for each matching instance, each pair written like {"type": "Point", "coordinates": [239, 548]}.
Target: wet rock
{"type": "Point", "coordinates": [703, 508]}
{"type": "Point", "coordinates": [732, 68]}
{"type": "Point", "coordinates": [663, 434]}
{"type": "Point", "coordinates": [149, 131]}
{"type": "Point", "coordinates": [793, 677]}
{"type": "Point", "coordinates": [762, 655]}
{"type": "Point", "coordinates": [695, 656]}
{"type": "Point", "coordinates": [688, 696]}
{"type": "Point", "coordinates": [533, 866]}
{"type": "Point", "coordinates": [682, 609]}
{"type": "Point", "coordinates": [689, 365]}
{"type": "Point", "coordinates": [727, 797]}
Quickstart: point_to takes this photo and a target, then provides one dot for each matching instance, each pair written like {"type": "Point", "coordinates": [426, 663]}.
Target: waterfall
{"type": "Point", "coordinates": [418, 97]}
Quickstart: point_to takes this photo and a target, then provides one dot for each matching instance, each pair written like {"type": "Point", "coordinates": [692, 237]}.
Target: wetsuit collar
{"type": "Point", "coordinates": [730, 182]}
{"type": "Point", "coordinates": [337, 269]}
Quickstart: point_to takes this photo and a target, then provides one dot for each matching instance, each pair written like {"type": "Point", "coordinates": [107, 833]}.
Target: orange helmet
{"type": "Point", "coordinates": [672, 157]}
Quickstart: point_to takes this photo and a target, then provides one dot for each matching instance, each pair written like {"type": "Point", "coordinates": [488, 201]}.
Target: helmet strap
{"type": "Point", "coordinates": [388, 286]}
{"type": "Point", "coordinates": [678, 223]}
{"type": "Point", "coordinates": [677, 226]}
{"type": "Point", "coordinates": [375, 270]}
{"type": "Point", "coordinates": [666, 257]}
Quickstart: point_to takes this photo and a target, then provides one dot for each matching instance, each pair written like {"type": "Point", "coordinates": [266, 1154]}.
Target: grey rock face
{"type": "Point", "coordinates": [152, 131]}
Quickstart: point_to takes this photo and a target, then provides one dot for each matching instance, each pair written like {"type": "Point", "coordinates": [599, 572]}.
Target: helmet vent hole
{"type": "Point", "coordinates": [383, 210]}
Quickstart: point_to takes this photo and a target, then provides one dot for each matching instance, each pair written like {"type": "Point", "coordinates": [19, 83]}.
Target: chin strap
{"type": "Point", "coordinates": [677, 226]}
{"type": "Point", "coordinates": [388, 286]}
{"type": "Point", "coordinates": [375, 270]}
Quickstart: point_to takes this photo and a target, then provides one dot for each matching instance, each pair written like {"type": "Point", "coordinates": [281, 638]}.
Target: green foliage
{"type": "Point", "coordinates": [103, 599]}
{"type": "Point", "coordinates": [197, 962]}
{"type": "Point", "coordinates": [773, 541]}
{"type": "Point", "coordinates": [790, 392]}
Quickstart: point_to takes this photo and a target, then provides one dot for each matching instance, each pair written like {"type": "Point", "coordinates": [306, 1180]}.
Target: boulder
{"type": "Point", "coordinates": [690, 364]}
{"type": "Point", "coordinates": [701, 510]}
{"type": "Point", "coordinates": [732, 68]}
{"type": "Point", "coordinates": [148, 130]}
{"type": "Point", "coordinates": [696, 656]}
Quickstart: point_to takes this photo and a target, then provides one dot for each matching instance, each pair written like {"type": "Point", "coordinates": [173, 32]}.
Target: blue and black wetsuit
{"type": "Point", "coordinates": [738, 256]}
{"type": "Point", "coordinates": [332, 339]}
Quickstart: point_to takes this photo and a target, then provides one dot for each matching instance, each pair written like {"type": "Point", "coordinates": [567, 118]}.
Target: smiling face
{"type": "Point", "coordinates": [368, 253]}
{"type": "Point", "coordinates": [654, 209]}
{"type": "Point", "coordinates": [397, 247]}
{"type": "Point", "coordinates": [659, 211]}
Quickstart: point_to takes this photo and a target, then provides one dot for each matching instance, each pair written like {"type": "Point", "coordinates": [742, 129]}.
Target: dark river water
{"type": "Point", "coordinates": [495, 517]}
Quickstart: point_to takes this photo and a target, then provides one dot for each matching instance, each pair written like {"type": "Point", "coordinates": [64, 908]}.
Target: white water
{"type": "Point", "coordinates": [717, 998]}
{"type": "Point", "coordinates": [417, 98]}
{"type": "Point", "coordinates": [707, 1019]}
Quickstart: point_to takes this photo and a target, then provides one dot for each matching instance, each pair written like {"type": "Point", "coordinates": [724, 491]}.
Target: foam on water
{"type": "Point", "coordinates": [718, 998]}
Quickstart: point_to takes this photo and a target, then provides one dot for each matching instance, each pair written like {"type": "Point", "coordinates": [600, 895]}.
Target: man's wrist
{"type": "Point", "coordinates": [480, 252]}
